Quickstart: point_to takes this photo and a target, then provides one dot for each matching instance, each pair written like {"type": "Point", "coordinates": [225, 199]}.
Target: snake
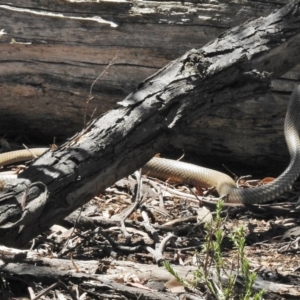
{"type": "Point", "coordinates": [182, 172]}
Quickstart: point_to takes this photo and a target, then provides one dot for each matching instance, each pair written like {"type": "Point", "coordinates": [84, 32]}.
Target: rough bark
{"type": "Point", "coordinates": [49, 270]}
{"type": "Point", "coordinates": [53, 51]}
{"type": "Point", "coordinates": [228, 69]}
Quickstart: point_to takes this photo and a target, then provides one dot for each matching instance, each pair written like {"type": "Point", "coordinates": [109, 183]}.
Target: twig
{"type": "Point", "coordinates": [91, 90]}
{"type": "Point", "coordinates": [125, 214]}
{"type": "Point", "coordinates": [53, 286]}
{"type": "Point", "coordinates": [147, 225]}
{"type": "Point", "coordinates": [33, 155]}
{"type": "Point", "coordinates": [73, 229]}
{"type": "Point", "coordinates": [157, 253]}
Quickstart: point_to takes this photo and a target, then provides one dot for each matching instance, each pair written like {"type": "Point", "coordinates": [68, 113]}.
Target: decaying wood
{"type": "Point", "coordinates": [116, 273]}
{"type": "Point", "coordinates": [52, 52]}
{"type": "Point", "coordinates": [228, 69]}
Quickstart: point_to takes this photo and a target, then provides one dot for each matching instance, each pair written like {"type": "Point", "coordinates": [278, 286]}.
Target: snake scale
{"type": "Point", "coordinates": [181, 172]}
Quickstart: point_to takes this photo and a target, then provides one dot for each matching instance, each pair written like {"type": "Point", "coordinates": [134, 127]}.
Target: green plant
{"type": "Point", "coordinates": [212, 266]}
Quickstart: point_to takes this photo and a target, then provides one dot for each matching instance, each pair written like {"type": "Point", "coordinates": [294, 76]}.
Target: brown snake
{"type": "Point", "coordinates": [178, 171]}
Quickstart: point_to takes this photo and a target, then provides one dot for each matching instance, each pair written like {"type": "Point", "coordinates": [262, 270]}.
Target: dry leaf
{"type": "Point", "coordinates": [108, 213]}
{"type": "Point", "coordinates": [139, 285]}
{"type": "Point", "coordinates": [267, 180]}
{"type": "Point", "coordinates": [174, 286]}
{"type": "Point", "coordinates": [203, 215]}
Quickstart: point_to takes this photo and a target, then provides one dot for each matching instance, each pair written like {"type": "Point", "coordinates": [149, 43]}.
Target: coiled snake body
{"type": "Point", "coordinates": [199, 176]}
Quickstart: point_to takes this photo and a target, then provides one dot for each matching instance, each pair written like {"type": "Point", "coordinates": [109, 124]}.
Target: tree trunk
{"type": "Point", "coordinates": [228, 69]}
{"type": "Point", "coordinates": [52, 52]}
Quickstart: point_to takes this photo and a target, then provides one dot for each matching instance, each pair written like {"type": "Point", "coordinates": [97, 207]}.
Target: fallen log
{"type": "Point", "coordinates": [237, 65]}
{"type": "Point", "coordinates": [53, 53]}
{"type": "Point", "coordinates": [120, 275]}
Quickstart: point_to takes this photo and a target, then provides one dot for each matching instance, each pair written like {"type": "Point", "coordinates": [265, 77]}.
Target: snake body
{"type": "Point", "coordinates": [198, 176]}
